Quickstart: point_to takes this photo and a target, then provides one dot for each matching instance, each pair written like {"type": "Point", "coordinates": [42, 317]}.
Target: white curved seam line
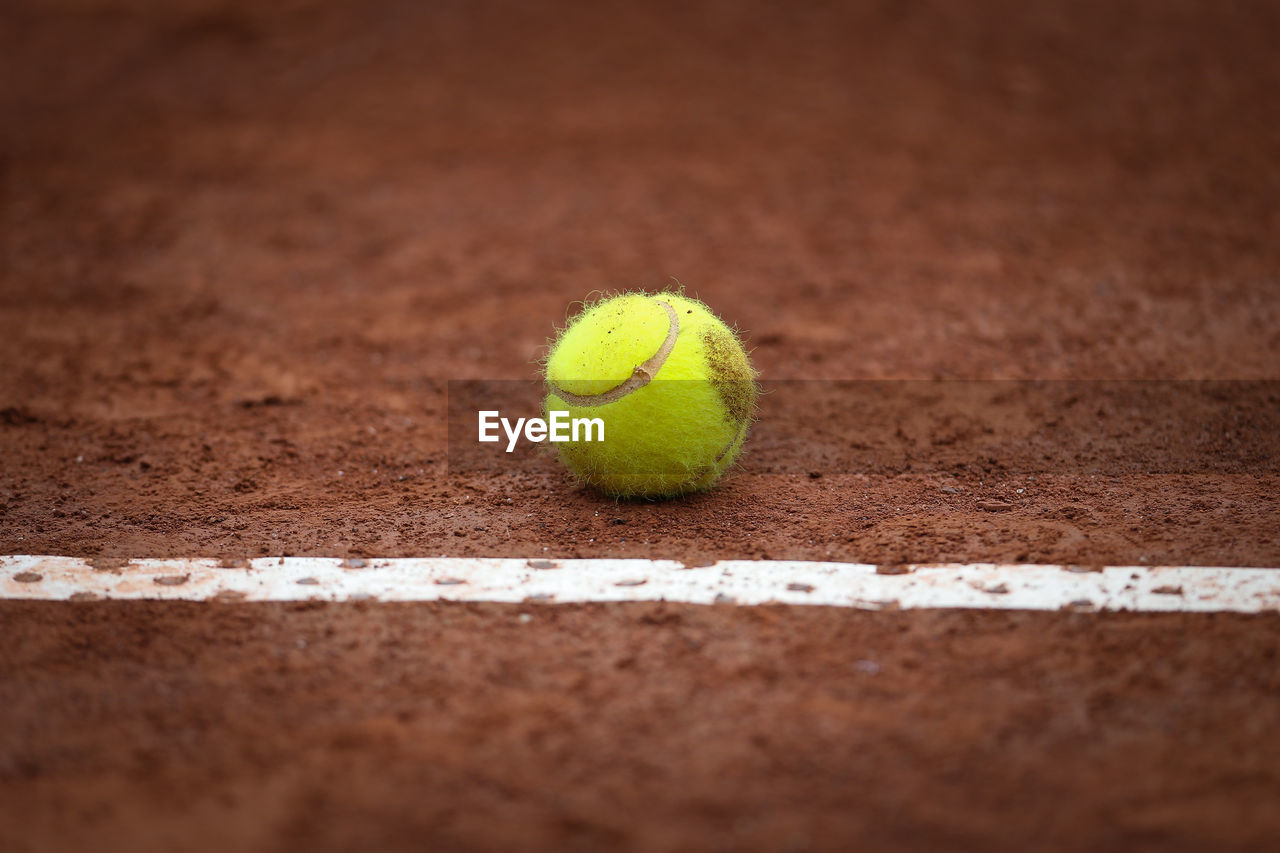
{"type": "Point", "coordinates": [641, 376]}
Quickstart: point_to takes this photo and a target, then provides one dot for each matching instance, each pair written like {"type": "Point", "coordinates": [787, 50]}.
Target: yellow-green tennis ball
{"type": "Point", "coordinates": [671, 384]}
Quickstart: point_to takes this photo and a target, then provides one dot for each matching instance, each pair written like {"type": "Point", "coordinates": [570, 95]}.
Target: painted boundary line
{"type": "Point", "coordinates": [978, 585]}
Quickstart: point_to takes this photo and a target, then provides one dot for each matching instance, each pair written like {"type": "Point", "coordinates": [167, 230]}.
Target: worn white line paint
{"type": "Point", "coordinates": [978, 585]}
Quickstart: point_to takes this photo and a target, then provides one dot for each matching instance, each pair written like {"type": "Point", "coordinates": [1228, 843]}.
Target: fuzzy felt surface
{"type": "Point", "coordinates": [683, 425]}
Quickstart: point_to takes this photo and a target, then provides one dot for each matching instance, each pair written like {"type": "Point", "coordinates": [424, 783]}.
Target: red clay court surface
{"type": "Point", "coordinates": [247, 246]}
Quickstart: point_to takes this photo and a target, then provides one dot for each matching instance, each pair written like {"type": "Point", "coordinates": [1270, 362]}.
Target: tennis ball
{"type": "Point", "coordinates": [671, 384]}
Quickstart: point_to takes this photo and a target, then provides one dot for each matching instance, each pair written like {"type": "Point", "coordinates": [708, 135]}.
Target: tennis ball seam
{"type": "Point", "coordinates": [640, 376]}
{"type": "Point", "coordinates": [737, 438]}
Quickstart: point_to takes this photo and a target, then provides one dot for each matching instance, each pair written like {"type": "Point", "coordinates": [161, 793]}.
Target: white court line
{"type": "Point", "coordinates": [978, 585]}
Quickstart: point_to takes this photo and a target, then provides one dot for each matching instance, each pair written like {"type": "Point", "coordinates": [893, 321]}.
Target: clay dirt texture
{"type": "Point", "coordinates": [1009, 273]}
